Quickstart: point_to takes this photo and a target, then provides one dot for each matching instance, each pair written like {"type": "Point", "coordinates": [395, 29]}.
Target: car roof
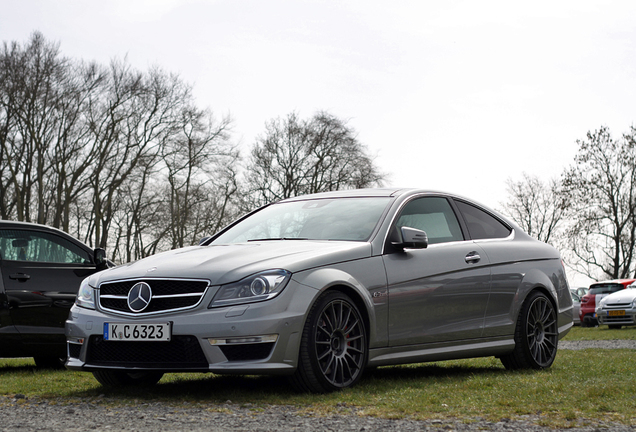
{"type": "Point", "coordinates": [614, 281]}
{"type": "Point", "coordinates": [17, 224]}
{"type": "Point", "coordinates": [371, 192]}
{"type": "Point", "coordinates": [375, 192]}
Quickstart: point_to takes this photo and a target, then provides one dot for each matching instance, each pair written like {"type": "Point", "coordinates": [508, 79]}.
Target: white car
{"type": "Point", "coordinates": [618, 309]}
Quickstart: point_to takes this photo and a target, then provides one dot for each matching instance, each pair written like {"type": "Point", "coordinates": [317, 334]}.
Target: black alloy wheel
{"type": "Point", "coordinates": [333, 351]}
{"type": "Point", "coordinates": [536, 335]}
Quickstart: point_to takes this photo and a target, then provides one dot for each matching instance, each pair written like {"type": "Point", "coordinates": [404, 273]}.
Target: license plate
{"type": "Point", "coordinates": [616, 313]}
{"type": "Point", "coordinates": [160, 332]}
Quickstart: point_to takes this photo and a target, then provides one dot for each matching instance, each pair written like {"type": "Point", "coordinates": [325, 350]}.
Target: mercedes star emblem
{"type": "Point", "coordinates": [139, 297]}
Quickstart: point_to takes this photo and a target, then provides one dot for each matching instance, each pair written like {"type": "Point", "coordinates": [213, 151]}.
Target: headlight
{"type": "Point", "coordinates": [258, 287]}
{"type": "Point", "coordinates": [85, 295]}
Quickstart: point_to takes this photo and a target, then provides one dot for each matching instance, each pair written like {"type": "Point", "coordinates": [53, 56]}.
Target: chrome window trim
{"type": "Point", "coordinates": [401, 207]}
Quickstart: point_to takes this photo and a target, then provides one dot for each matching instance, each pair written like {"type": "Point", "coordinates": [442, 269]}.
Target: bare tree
{"type": "Point", "coordinates": [538, 207]}
{"type": "Point", "coordinates": [602, 187]}
{"type": "Point", "coordinates": [42, 99]}
{"type": "Point", "coordinates": [198, 163]}
{"type": "Point", "coordinates": [121, 158]}
{"type": "Point", "coordinates": [131, 122]}
{"type": "Point", "coordinates": [297, 157]}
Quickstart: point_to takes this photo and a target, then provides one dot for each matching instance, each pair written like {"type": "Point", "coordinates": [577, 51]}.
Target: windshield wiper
{"type": "Point", "coordinates": [278, 238]}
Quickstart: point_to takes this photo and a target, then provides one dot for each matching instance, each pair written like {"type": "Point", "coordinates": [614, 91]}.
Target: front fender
{"type": "Point", "coordinates": [363, 280]}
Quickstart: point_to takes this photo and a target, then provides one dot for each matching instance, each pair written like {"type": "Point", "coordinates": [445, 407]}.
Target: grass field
{"type": "Point", "coordinates": [588, 385]}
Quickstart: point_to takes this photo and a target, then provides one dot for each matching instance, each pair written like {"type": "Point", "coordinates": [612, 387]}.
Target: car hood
{"type": "Point", "coordinates": [221, 264]}
{"type": "Point", "coordinates": [622, 296]}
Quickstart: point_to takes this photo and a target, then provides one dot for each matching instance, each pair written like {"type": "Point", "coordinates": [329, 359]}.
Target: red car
{"type": "Point", "coordinates": [597, 291]}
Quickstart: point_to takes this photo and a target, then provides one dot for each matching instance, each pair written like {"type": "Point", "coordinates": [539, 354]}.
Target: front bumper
{"type": "Point", "coordinates": [616, 315]}
{"type": "Point", "coordinates": [255, 338]}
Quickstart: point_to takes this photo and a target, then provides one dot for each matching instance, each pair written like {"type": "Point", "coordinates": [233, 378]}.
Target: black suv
{"type": "Point", "coordinates": [42, 268]}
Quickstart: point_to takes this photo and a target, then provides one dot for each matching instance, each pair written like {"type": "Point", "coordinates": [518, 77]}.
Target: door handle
{"type": "Point", "coordinates": [20, 276]}
{"type": "Point", "coordinates": [472, 257]}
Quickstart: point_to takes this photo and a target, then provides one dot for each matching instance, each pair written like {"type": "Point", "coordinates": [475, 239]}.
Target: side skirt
{"type": "Point", "coordinates": [440, 351]}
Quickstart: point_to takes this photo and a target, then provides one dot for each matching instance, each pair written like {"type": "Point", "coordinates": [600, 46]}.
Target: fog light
{"type": "Point", "coordinates": [244, 340]}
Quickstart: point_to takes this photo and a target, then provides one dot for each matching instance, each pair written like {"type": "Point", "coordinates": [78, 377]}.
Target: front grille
{"type": "Point", "coordinates": [167, 295]}
{"type": "Point", "coordinates": [247, 352]}
{"type": "Point", "coordinates": [182, 352]}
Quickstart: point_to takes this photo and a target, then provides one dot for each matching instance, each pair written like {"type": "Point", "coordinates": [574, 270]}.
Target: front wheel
{"type": "Point", "coordinates": [333, 348]}
{"type": "Point", "coordinates": [536, 335]}
{"type": "Point", "coordinates": [117, 378]}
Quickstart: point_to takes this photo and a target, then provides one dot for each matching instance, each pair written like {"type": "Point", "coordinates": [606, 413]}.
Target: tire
{"type": "Point", "coordinates": [45, 362]}
{"type": "Point", "coordinates": [536, 335]}
{"type": "Point", "coordinates": [117, 378]}
{"type": "Point", "coordinates": [333, 349]}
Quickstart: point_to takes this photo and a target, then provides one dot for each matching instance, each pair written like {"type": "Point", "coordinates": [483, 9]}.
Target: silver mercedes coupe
{"type": "Point", "coordinates": [320, 287]}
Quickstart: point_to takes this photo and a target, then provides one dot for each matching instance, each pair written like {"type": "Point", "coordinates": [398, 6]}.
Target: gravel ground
{"type": "Point", "coordinates": [604, 344]}
{"type": "Point", "coordinates": [33, 414]}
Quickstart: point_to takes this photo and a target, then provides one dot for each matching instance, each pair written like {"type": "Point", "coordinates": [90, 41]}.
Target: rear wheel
{"type": "Point", "coordinates": [333, 348]}
{"type": "Point", "coordinates": [116, 378]}
{"type": "Point", "coordinates": [536, 335]}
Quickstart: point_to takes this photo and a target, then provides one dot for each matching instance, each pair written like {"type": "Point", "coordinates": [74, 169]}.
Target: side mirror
{"type": "Point", "coordinates": [412, 239]}
{"type": "Point", "coordinates": [99, 255]}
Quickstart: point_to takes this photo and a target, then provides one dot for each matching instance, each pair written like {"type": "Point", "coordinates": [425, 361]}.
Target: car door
{"type": "Point", "coordinates": [41, 273]}
{"type": "Point", "coordinates": [10, 342]}
{"type": "Point", "coordinates": [494, 237]}
{"type": "Point", "coordinates": [439, 293]}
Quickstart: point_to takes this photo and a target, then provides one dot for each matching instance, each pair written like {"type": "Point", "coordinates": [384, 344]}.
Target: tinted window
{"type": "Point", "coordinates": [482, 225]}
{"type": "Point", "coordinates": [35, 246]}
{"type": "Point", "coordinates": [434, 216]}
{"type": "Point", "coordinates": [605, 288]}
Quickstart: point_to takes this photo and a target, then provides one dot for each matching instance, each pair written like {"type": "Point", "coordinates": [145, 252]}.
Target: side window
{"type": "Point", "coordinates": [35, 246]}
{"type": "Point", "coordinates": [435, 216]}
{"type": "Point", "coordinates": [482, 225]}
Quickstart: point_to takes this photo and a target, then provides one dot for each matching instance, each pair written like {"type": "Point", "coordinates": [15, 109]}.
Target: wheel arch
{"type": "Point", "coordinates": [359, 302]}
{"type": "Point", "coordinates": [331, 279]}
{"type": "Point", "coordinates": [536, 280]}
{"type": "Point", "coordinates": [555, 290]}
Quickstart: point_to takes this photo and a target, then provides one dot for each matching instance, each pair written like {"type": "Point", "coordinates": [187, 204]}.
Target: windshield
{"type": "Point", "coordinates": [351, 219]}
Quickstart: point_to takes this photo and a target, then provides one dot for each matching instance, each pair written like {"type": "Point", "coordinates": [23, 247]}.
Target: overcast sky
{"type": "Point", "coordinates": [450, 95]}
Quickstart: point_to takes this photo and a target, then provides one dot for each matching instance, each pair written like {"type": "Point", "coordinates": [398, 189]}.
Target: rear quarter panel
{"type": "Point", "coordinates": [519, 267]}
